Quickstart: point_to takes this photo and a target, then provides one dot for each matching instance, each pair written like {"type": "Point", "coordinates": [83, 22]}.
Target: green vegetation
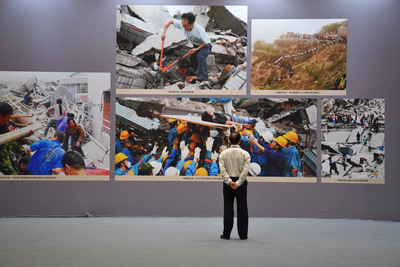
{"type": "Point", "coordinates": [338, 63]}
{"type": "Point", "coordinates": [313, 71]}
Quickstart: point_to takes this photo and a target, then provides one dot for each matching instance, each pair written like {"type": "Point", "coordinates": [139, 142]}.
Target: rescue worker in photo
{"type": "Point", "coordinates": [201, 42]}
{"type": "Point", "coordinates": [47, 157]}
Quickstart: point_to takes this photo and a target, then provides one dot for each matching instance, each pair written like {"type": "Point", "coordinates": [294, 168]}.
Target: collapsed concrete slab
{"type": "Point", "coordinates": [127, 115]}
{"type": "Point", "coordinates": [174, 38]}
{"type": "Point", "coordinates": [223, 19]}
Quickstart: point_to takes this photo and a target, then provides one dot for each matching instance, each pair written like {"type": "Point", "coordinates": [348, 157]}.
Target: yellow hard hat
{"type": "Point", "coordinates": [124, 135]}
{"type": "Point", "coordinates": [201, 172]}
{"type": "Point", "coordinates": [281, 141]}
{"type": "Point", "coordinates": [187, 163]}
{"type": "Point", "coordinates": [171, 120]}
{"type": "Point", "coordinates": [120, 157]}
{"type": "Point", "coordinates": [291, 136]}
{"type": "Point", "coordinates": [181, 128]}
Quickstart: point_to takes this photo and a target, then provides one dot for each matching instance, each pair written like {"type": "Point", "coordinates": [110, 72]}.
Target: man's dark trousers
{"type": "Point", "coordinates": [243, 217]}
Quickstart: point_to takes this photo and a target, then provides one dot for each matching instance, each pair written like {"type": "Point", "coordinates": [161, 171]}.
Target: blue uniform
{"type": "Point", "coordinates": [118, 146]}
{"type": "Point", "coordinates": [48, 156]}
{"type": "Point", "coordinates": [291, 162]}
{"type": "Point", "coordinates": [120, 171]}
{"type": "Point", "coordinates": [128, 153]}
{"type": "Point", "coordinates": [274, 161]}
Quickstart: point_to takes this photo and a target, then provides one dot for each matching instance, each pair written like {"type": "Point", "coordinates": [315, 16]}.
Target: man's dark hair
{"type": "Point", "coordinates": [206, 117]}
{"type": "Point", "coordinates": [234, 138]}
{"type": "Point", "coordinates": [189, 16]}
{"type": "Point", "coordinates": [23, 160]}
{"type": "Point", "coordinates": [73, 159]}
{"type": "Point", "coordinates": [60, 136]}
{"type": "Point", "coordinates": [125, 141]}
{"type": "Point", "coordinates": [70, 119]}
{"type": "Point", "coordinates": [183, 63]}
{"type": "Point", "coordinates": [5, 109]}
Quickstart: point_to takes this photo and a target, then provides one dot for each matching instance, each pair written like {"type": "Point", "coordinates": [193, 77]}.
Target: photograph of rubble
{"type": "Point", "coordinates": [353, 140]}
{"type": "Point", "coordinates": [181, 50]}
{"type": "Point", "coordinates": [180, 139]}
{"type": "Point", "coordinates": [54, 126]}
{"type": "Point", "coordinates": [299, 56]}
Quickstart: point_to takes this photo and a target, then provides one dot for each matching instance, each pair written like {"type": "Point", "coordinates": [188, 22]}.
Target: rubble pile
{"type": "Point", "coordinates": [139, 46]}
{"type": "Point", "coordinates": [34, 116]}
{"type": "Point", "coordinates": [353, 136]}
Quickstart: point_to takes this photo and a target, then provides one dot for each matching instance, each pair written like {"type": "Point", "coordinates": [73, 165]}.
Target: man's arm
{"type": "Point", "coordinates": [194, 50]}
{"type": "Point", "coordinates": [222, 168]}
{"type": "Point", "coordinates": [245, 169]}
{"type": "Point", "coordinates": [166, 25]}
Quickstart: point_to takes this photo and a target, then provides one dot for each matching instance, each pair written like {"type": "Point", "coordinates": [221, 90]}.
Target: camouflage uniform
{"type": "Point", "coordinates": [6, 164]}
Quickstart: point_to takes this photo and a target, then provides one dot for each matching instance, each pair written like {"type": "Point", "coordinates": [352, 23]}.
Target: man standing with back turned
{"type": "Point", "coordinates": [201, 42]}
{"type": "Point", "coordinates": [234, 165]}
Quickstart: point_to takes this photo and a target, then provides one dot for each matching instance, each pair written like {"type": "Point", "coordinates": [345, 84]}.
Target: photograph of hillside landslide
{"type": "Point", "coordinates": [302, 54]}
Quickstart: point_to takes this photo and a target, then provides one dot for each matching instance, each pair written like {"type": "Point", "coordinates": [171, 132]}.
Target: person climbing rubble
{"type": "Point", "coordinates": [59, 112]}
{"type": "Point", "coordinates": [77, 135]}
{"type": "Point", "coordinates": [201, 42]}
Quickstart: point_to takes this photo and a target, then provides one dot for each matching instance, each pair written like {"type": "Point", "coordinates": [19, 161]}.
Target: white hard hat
{"type": "Point", "coordinates": [254, 169]}
{"type": "Point", "coordinates": [156, 166]}
{"type": "Point", "coordinates": [171, 171]}
{"type": "Point", "coordinates": [268, 136]}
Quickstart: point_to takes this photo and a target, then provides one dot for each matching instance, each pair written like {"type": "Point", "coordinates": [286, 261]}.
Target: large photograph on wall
{"type": "Point", "coordinates": [180, 139]}
{"type": "Point", "coordinates": [54, 126]}
{"type": "Point", "coordinates": [299, 56]}
{"type": "Point", "coordinates": [353, 140]}
{"type": "Point", "coordinates": [181, 49]}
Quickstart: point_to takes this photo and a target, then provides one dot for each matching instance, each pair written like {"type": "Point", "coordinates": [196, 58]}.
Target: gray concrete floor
{"type": "Point", "coordinates": [195, 242]}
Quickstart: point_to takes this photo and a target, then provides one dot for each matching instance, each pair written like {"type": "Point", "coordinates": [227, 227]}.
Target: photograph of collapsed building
{"type": "Point", "coordinates": [353, 140]}
{"type": "Point", "coordinates": [181, 138]}
{"type": "Point", "coordinates": [181, 49]}
{"type": "Point", "coordinates": [302, 54]}
{"type": "Point", "coordinates": [54, 124]}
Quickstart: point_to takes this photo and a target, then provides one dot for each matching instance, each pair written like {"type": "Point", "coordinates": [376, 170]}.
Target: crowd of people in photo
{"type": "Point", "coordinates": [327, 40]}
{"type": "Point", "coordinates": [369, 121]}
{"type": "Point", "coordinates": [51, 155]}
{"type": "Point", "coordinates": [194, 149]}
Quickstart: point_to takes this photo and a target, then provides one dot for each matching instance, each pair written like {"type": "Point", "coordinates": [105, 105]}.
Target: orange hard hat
{"type": "Point", "coordinates": [124, 135]}
{"type": "Point", "coordinates": [181, 128]}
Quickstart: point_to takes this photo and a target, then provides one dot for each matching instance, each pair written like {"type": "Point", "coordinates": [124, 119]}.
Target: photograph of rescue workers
{"type": "Point", "coordinates": [353, 140]}
{"type": "Point", "coordinates": [181, 48]}
{"type": "Point", "coordinates": [53, 124]}
{"type": "Point", "coordinates": [177, 138]}
{"type": "Point", "coordinates": [300, 54]}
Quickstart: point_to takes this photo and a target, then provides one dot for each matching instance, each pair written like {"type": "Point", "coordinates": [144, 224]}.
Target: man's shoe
{"type": "Point", "coordinates": [243, 238]}
{"type": "Point", "coordinates": [205, 84]}
{"type": "Point", "coordinates": [224, 237]}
